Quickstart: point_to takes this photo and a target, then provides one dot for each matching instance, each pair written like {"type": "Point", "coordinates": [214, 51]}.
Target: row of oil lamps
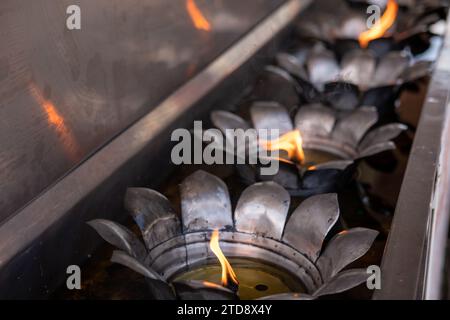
{"type": "Point", "coordinates": [333, 110]}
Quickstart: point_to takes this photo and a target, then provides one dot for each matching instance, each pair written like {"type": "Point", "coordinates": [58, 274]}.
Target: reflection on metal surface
{"type": "Point", "coordinates": [199, 20]}
{"type": "Point", "coordinates": [55, 120]}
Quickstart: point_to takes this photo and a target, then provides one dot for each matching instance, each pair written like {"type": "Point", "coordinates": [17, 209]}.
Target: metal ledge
{"type": "Point", "coordinates": [39, 242]}
{"type": "Point", "coordinates": [413, 260]}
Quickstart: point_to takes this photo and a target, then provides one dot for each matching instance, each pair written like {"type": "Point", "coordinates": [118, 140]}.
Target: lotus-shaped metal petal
{"type": "Point", "coordinates": [345, 137]}
{"type": "Point", "coordinates": [276, 84]}
{"type": "Point", "coordinates": [359, 79]}
{"type": "Point", "coordinates": [259, 229]}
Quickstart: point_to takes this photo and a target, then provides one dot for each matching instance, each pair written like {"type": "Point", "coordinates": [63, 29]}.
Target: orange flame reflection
{"type": "Point", "coordinates": [380, 28]}
{"type": "Point", "coordinates": [199, 20]}
{"type": "Point", "coordinates": [290, 142]}
{"type": "Point", "coordinates": [227, 270]}
{"type": "Point", "coordinates": [56, 120]}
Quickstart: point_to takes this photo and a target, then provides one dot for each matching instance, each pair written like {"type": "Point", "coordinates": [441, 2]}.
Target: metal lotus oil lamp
{"type": "Point", "coordinates": [345, 27]}
{"type": "Point", "coordinates": [263, 252]}
{"type": "Point", "coordinates": [322, 146]}
{"type": "Point", "coordinates": [364, 72]}
{"type": "Point", "coordinates": [358, 79]}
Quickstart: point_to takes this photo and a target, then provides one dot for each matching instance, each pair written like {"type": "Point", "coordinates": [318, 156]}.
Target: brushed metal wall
{"type": "Point", "coordinates": [65, 93]}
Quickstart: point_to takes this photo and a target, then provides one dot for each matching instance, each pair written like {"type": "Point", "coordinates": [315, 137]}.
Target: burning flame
{"type": "Point", "coordinates": [380, 28]}
{"type": "Point", "coordinates": [227, 270]}
{"type": "Point", "coordinates": [199, 20]}
{"type": "Point", "coordinates": [290, 142]}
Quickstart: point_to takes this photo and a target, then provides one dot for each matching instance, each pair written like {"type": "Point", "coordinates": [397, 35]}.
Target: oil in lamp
{"type": "Point", "coordinates": [248, 278]}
